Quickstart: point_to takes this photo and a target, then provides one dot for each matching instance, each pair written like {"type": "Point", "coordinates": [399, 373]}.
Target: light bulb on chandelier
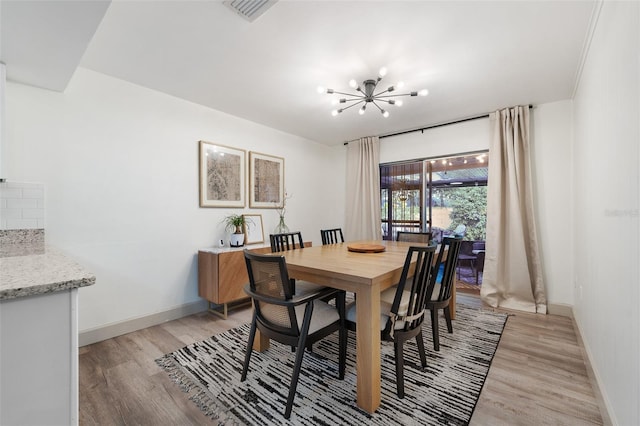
{"type": "Point", "coordinates": [367, 94]}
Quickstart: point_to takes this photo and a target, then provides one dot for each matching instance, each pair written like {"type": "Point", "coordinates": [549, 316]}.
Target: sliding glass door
{"type": "Point", "coordinates": [444, 196]}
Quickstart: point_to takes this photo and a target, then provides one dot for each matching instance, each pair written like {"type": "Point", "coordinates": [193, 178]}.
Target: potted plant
{"type": "Point", "coordinates": [234, 223]}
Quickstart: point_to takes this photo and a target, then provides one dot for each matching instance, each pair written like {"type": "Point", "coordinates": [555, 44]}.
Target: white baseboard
{"type": "Point", "coordinates": [109, 331]}
{"type": "Point", "coordinates": [560, 309]}
{"type": "Point", "coordinates": [594, 377]}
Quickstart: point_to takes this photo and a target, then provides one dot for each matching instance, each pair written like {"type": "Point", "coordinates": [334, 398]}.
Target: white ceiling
{"type": "Point", "coordinates": [474, 57]}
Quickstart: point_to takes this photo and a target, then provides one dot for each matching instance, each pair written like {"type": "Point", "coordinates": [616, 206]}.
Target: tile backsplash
{"type": "Point", "coordinates": [21, 205]}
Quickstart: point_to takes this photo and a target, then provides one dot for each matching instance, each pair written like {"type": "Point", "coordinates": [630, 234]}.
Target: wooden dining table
{"type": "Point", "coordinates": [366, 275]}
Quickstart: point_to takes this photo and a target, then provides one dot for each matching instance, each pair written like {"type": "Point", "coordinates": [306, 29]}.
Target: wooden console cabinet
{"type": "Point", "coordinates": [222, 275]}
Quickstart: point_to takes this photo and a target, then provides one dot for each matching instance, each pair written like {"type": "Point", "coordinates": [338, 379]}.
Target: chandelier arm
{"type": "Point", "coordinates": [394, 95]}
{"type": "Point", "coordinates": [352, 105]}
{"type": "Point", "coordinates": [343, 93]}
{"type": "Point", "coordinates": [381, 93]}
{"type": "Point", "coordinates": [378, 106]}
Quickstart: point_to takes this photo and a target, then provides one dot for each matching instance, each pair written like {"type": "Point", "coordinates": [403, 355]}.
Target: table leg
{"type": "Point", "coordinates": [368, 348]}
{"type": "Point", "coordinates": [260, 343]}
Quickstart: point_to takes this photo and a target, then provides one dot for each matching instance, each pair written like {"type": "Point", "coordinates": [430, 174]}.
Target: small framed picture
{"type": "Point", "coordinates": [266, 181]}
{"type": "Point", "coordinates": [253, 230]}
{"type": "Point", "coordinates": [222, 176]}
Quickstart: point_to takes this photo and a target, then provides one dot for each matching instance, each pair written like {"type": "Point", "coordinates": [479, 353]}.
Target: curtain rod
{"type": "Point", "coordinates": [422, 129]}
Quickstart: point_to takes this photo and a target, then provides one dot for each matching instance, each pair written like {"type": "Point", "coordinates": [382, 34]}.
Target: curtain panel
{"type": "Point", "coordinates": [512, 272]}
{"type": "Point", "coordinates": [363, 190]}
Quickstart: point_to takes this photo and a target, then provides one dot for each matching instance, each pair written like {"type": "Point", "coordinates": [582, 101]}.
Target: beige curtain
{"type": "Point", "coordinates": [512, 273]}
{"type": "Point", "coordinates": [363, 190]}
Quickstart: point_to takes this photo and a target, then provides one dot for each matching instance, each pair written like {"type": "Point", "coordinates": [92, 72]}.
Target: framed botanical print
{"type": "Point", "coordinates": [222, 176]}
{"type": "Point", "coordinates": [266, 181]}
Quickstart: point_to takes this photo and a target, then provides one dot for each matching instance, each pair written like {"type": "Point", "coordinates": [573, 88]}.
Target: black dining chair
{"type": "Point", "coordinates": [292, 241]}
{"type": "Point", "coordinates": [331, 236]}
{"type": "Point", "coordinates": [479, 269]}
{"type": "Point", "coordinates": [297, 320]}
{"type": "Point", "coordinates": [441, 285]}
{"type": "Point", "coordinates": [286, 241]}
{"type": "Point", "coordinates": [414, 237]}
{"type": "Point", "coordinates": [402, 309]}
{"type": "Point", "coordinates": [466, 256]}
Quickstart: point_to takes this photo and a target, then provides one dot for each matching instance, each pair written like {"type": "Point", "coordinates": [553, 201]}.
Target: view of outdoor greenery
{"type": "Point", "coordinates": [468, 207]}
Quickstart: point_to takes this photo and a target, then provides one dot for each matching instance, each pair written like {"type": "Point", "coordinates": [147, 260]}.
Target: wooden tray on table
{"type": "Point", "coordinates": [366, 248]}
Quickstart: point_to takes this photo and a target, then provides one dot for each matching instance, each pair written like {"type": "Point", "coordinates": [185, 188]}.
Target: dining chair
{"type": "Point", "coordinates": [466, 256]}
{"type": "Point", "coordinates": [479, 265]}
{"type": "Point", "coordinates": [293, 319]}
{"type": "Point", "coordinates": [286, 241]}
{"type": "Point", "coordinates": [330, 236]}
{"type": "Point", "coordinates": [402, 308]}
{"type": "Point", "coordinates": [441, 285]}
{"type": "Point", "coordinates": [414, 237]}
{"type": "Point", "coordinates": [479, 249]}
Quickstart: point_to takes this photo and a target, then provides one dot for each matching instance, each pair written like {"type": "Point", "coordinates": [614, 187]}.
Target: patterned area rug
{"type": "Point", "coordinates": [446, 393]}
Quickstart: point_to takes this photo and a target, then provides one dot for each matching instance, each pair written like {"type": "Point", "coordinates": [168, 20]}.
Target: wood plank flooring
{"type": "Point", "coordinates": [537, 377]}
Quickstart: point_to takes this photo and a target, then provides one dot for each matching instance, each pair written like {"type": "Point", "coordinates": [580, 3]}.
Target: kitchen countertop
{"type": "Point", "coordinates": [28, 269]}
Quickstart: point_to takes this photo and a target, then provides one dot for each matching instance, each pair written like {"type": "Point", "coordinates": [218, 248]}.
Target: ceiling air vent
{"type": "Point", "coordinates": [249, 9]}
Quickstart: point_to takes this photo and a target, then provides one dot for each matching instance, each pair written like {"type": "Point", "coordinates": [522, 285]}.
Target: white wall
{"type": "Point", "coordinates": [607, 193]}
{"type": "Point", "coordinates": [552, 136]}
{"type": "Point", "coordinates": [551, 160]}
{"type": "Point", "coordinates": [120, 167]}
{"type": "Point", "coordinates": [468, 136]}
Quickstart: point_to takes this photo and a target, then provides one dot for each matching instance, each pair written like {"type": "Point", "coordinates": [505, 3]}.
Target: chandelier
{"type": "Point", "coordinates": [367, 95]}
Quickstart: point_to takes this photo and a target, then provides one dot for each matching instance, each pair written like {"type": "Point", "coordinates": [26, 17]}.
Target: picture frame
{"type": "Point", "coordinates": [266, 181]}
{"type": "Point", "coordinates": [222, 175]}
{"type": "Point", "coordinates": [253, 229]}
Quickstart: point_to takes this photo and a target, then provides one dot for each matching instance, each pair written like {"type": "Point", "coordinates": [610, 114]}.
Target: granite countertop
{"type": "Point", "coordinates": [28, 269]}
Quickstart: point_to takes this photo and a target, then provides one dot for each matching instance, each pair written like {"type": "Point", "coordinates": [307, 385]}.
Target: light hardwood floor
{"type": "Point", "coordinates": [537, 377]}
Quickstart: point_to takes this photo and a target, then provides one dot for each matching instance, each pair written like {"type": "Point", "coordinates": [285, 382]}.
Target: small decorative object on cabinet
{"type": "Point", "coordinates": [282, 227]}
{"type": "Point", "coordinates": [253, 230]}
{"type": "Point", "coordinates": [235, 223]}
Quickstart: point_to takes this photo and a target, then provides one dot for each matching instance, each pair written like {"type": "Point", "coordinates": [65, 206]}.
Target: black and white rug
{"type": "Point", "coordinates": [446, 393]}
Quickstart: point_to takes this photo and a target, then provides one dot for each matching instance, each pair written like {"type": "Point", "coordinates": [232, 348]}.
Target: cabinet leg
{"type": "Point", "coordinates": [222, 309]}
{"type": "Point", "coordinates": [214, 308]}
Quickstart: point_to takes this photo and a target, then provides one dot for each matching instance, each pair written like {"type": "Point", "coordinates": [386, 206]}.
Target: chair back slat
{"type": "Point", "coordinates": [414, 237]}
{"type": "Point", "coordinates": [412, 289]}
{"type": "Point", "coordinates": [286, 241]}
{"type": "Point", "coordinates": [268, 276]}
{"type": "Point", "coordinates": [450, 246]}
{"type": "Point", "coordinates": [332, 236]}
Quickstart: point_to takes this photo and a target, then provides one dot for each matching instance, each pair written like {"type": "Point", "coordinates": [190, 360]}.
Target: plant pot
{"type": "Point", "coordinates": [237, 240]}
